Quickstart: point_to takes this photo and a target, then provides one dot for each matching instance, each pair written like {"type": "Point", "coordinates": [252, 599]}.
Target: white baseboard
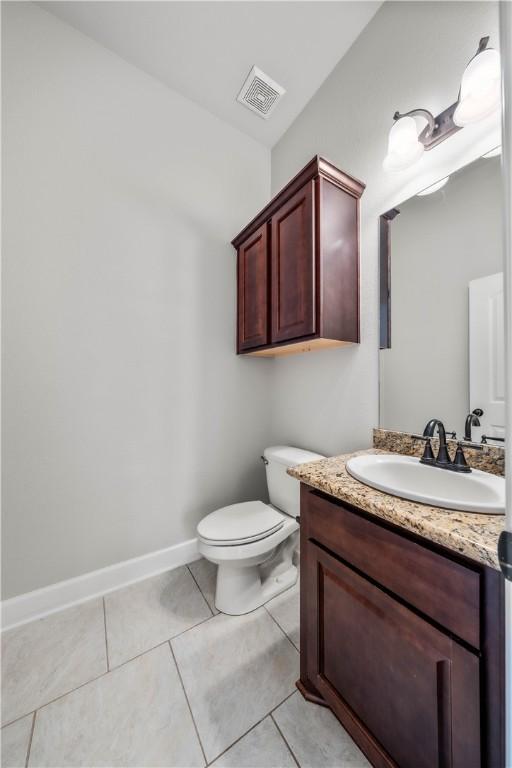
{"type": "Point", "coordinates": [41, 602]}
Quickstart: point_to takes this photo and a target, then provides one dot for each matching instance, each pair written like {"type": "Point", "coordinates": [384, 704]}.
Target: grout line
{"type": "Point", "coordinates": [267, 714]}
{"type": "Point", "coordinates": [134, 658]}
{"type": "Point", "coordinates": [163, 642]}
{"type": "Point", "coordinates": [284, 738]}
{"type": "Point", "coordinates": [87, 682]}
{"type": "Point", "coordinates": [108, 672]}
{"type": "Point", "coordinates": [246, 733]}
{"type": "Point", "coordinates": [106, 637]}
{"type": "Point", "coordinates": [184, 631]}
{"type": "Point", "coordinates": [201, 591]}
{"type": "Point", "coordinates": [30, 739]}
{"type": "Point", "coordinates": [283, 701]}
{"type": "Point", "coordinates": [17, 719]}
{"type": "Point", "coordinates": [188, 703]}
{"type": "Point", "coordinates": [148, 650]}
{"type": "Point", "coordinates": [280, 627]}
{"type": "Point", "coordinates": [57, 698]}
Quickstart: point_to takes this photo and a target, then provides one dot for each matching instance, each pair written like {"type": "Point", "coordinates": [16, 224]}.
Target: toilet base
{"type": "Point", "coordinates": [242, 590]}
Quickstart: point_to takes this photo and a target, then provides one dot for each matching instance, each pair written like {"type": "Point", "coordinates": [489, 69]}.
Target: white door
{"type": "Point", "coordinates": [487, 353]}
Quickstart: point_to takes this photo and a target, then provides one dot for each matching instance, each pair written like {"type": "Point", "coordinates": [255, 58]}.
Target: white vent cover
{"type": "Point", "coordinates": [260, 93]}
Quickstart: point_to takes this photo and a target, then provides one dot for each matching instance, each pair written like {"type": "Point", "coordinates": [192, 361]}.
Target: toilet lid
{"type": "Point", "coordinates": [240, 523]}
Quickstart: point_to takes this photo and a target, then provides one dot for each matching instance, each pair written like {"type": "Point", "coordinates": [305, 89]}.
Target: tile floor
{"type": "Point", "coordinates": [153, 675]}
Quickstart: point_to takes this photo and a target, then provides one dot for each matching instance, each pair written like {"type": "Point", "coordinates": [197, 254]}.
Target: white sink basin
{"type": "Point", "coordinates": [404, 476]}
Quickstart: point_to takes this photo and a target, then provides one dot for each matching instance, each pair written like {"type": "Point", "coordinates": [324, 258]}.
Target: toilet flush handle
{"type": "Point", "coordinates": [264, 460]}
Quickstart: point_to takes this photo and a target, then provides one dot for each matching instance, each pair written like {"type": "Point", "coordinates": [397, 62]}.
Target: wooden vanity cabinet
{"type": "Point", "coordinates": [376, 648]}
{"type": "Point", "coordinates": [298, 266]}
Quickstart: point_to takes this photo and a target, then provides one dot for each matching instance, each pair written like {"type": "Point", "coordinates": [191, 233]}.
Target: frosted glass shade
{"type": "Point", "coordinates": [404, 147]}
{"type": "Point", "coordinates": [480, 88]}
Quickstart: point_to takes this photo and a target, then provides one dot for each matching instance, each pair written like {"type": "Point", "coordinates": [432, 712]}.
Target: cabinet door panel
{"type": "Point", "coordinates": [447, 592]}
{"type": "Point", "coordinates": [293, 267]}
{"type": "Point", "coordinates": [253, 291]}
{"type": "Point", "coordinates": [415, 689]}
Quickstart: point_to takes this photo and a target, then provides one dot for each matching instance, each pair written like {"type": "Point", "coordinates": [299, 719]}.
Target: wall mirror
{"type": "Point", "coordinates": [441, 306]}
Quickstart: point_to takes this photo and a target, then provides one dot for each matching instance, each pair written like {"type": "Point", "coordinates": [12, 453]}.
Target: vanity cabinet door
{"type": "Point", "coordinates": [253, 291]}
{"type": "Point", "coordinates": [293, 267]}
{"type": "Point", "coordinates": [376, 662]}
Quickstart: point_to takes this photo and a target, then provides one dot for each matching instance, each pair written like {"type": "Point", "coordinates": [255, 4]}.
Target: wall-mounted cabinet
{"type": "Point", "coordinates": [298, 266]}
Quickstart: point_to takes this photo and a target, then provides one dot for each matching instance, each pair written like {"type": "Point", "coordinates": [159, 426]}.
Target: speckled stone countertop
{"type": "Point", "coordinates": [472, 535]}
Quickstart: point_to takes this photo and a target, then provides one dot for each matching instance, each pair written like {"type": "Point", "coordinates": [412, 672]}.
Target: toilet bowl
{"type": "Point", "coordinates": [253, 543]}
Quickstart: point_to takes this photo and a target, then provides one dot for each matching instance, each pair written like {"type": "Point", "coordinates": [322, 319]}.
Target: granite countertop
{"type": "Point", "coordinates": [470, 534]}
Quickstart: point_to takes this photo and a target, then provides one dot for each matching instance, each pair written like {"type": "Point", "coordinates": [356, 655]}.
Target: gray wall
{"type": "Point", "coordinates": [411, 54]}
{"type": "Point", "coordinates": [127, 415]}
{"type": "Point", "coordinates": [438, 244]}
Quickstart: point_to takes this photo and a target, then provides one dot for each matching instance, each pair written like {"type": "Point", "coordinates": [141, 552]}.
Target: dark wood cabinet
{"type": "Point", "coordinates": [298, 266]}
{"type": "Point", "coordinates": [293, 267]}
{"type": "Point", "coordinates": [411, 692]}
{"type": "Point", "coordinates": [253, 290]}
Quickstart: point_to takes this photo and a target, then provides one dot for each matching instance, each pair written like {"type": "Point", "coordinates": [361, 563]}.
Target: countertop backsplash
{"type": "Point", "coordinates": [490, 458]}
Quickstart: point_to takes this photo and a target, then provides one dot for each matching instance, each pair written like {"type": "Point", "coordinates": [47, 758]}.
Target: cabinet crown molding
{"type": "Point", "coordinates": [318, 166]}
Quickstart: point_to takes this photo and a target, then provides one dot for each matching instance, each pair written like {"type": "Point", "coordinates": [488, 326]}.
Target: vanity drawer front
{"type": "Point", "coordinates": [447, 592]}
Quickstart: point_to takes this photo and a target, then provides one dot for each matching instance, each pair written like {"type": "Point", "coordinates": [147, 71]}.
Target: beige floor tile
{"type": "Point", "coordinates": [316, 737]}
{"type": "Point", "coordinates": [148, 613]}
{"type": "Point", "coordinates": [235, 669]}
{"type": "Point", "coordinates": [136, 715]}
{"type": "Point", "coordinates": [51, 656]}
{"type": "Point", "coordinates": [205, 573]}
{"type": "Point", "coordinates": [263, 747]}
{"type": "Point", "coordinates": [15, 739]}
{"type": "Point", "coordinates": [285, 610]}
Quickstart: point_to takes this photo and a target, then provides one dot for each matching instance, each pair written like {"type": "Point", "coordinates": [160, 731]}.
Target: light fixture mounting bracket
{"type": "Point", "coordinates": [482, 45]}
{"type": "Point", "coordinates": [437, 129]}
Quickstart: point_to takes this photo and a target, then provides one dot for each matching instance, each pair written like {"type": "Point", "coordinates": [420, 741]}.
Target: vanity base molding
{"type": "Point", "coordinates": [402, 639]}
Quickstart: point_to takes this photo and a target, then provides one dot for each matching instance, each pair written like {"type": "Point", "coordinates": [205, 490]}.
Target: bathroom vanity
{"type": "Point", "coordinates": [402, 622]}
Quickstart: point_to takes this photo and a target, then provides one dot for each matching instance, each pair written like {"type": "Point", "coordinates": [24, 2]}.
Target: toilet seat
{"type": "Point", "coordinates": [240, 524]}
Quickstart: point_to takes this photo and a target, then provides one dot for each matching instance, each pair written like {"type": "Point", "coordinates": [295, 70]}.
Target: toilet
{"type": "Point", "coordinates": [253, 543]}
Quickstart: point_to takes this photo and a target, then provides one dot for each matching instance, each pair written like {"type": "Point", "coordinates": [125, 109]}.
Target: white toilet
{"type": "Point", "coordinates": [253, 543]}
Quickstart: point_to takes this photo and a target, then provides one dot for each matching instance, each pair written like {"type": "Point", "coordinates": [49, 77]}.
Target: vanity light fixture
{"type": "Point", "coordinates": [479, 97]}
{"type": "Point", "coordinates": [404, 147]}
{"type": "Point", "coordinates": [434, 187]}
{"type": "Point", "coordinates": [480, 87]}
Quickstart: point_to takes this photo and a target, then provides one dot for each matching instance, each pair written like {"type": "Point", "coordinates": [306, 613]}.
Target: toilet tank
{"type": "Point", "coordinates": [283, 490]}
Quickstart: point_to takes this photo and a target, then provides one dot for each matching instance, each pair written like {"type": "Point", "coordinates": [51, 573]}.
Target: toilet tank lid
{"type": "Point", "coordinates": [290, 457]}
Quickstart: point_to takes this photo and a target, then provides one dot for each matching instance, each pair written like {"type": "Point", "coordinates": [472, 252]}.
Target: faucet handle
{"type": "Point", "coordinates": [428, 454]}
{"type": "Point", "coordinates": [459, 462]}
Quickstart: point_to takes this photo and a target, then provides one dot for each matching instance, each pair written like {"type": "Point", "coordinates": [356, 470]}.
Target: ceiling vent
{"type": "Point", "coordinates": [260, 93]}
